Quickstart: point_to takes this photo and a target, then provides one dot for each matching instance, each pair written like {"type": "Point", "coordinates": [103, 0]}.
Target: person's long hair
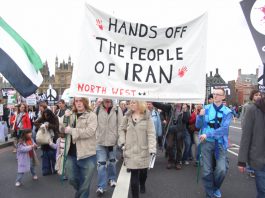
{"type": "Point", "coordinates": [23, 136]}
{"type": "Point", "coordinates": [85, 103]}
{"type": "Point", "coordinates": [252, 93]}
{"type": "Point", "coordinates": [50, 116]}
{"type": "Point", "coordinates": [141, 106]}
{"type": "Point", "coordinates": [43, 104]}
{"type": "Point", "coordinates": [260, 103]}
{"type": "Point", "coordinates": [22, 104]}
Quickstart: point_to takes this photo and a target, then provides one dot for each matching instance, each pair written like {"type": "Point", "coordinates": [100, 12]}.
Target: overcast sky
{"type": "Point", "coordinates": [51, 27]}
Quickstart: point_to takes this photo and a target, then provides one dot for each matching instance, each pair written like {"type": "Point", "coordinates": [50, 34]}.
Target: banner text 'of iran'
{"type": "Point", "coordinates": [124, 60]}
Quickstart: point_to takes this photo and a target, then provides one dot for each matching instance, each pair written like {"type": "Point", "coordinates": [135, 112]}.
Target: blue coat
{"type": "Point", "coordinates": [157, 122]}
{"type": "Point", "coordinates": [221, 133]}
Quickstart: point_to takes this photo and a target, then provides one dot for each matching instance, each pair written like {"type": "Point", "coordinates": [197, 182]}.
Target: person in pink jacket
{"type": "Point", "coordinates": [26, 156]}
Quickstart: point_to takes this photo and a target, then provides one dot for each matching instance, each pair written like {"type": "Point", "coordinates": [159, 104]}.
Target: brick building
{"type": "Point", "coordinates": [245, 83]}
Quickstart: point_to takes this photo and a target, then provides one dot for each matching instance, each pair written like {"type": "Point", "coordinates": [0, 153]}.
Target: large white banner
{"type": "Point", "coordinates": [124, 60]}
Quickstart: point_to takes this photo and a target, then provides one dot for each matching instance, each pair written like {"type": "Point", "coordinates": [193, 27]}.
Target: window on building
{"type": "Point", "coordinates": [248, 80]}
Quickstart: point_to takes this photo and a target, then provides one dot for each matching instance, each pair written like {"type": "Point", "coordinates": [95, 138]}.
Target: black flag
{"type": "Point", "coordinates": [254, 12]}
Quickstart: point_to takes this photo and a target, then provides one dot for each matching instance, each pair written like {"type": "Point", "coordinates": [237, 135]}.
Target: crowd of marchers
{"type": "Point", "coordinates": [81, 138]}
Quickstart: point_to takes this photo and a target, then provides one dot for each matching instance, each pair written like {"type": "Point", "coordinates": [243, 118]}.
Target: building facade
{"type": "Point", "coordinates": [245, 83]}
{"type": "Point", "coordinates": [60, 81]}
{"type": "Point", "coordinates": [215, 81]}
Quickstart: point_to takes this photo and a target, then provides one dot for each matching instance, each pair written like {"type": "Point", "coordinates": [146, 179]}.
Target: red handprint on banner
{"type": "Point", "coordinates": [99, 24]}
{"type": "Point", "coordinates": [182, 71]}
{"type": "Point", "coordinates": [262, 9]}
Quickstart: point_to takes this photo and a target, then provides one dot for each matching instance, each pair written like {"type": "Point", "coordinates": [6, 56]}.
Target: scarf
{"type": "Point", "coordinates": [216, 126]}
{"type": "Point", "coordinates": [19, 122]}
{"type": "Point", "coordinates": [29, 142]}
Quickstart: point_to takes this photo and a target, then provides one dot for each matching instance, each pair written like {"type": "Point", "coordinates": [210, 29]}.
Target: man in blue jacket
{"type": "Point", "coordinates": [214, 121]}
{"type": "Point", "coordinates": [157, 122]}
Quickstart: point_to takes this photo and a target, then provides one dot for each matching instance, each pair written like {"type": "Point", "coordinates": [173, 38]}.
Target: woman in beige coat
{"type": "Point", "coordinates": [137, 139]}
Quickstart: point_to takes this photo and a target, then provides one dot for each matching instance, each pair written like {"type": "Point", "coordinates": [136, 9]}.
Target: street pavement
{"type": "Point", "coordinates": [161, 183]}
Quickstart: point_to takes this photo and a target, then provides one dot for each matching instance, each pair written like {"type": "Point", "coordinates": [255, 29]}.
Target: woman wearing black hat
{"type": "Point", "coordinates": [51, 123]}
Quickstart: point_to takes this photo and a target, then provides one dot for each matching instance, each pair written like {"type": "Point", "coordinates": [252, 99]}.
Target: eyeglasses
{"type": "Point", "coordinates": [216, 94]}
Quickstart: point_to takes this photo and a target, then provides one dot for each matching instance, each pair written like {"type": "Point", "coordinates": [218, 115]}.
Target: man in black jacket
{"type": "Point", "coordinates": [252, 145]}
{"type": "Point", "coordinates": [176, 127]}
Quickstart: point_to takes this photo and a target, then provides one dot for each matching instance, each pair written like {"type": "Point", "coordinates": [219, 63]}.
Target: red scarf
{"type": "Point", "coordinates": [29, 142]}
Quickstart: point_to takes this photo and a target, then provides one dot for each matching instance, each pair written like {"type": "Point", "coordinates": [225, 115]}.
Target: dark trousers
{"type": "Point", "coordinates": [138, 178]}
{"type": "Point", "coordinates": [48, 161]}
{"type": "Point", "coordinates": [159, 141]}
{"type": "Point", "coordinates": [174, 138]}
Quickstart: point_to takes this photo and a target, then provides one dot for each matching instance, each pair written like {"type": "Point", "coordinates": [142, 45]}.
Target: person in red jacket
{"type": "Point", "coordinates": [12, 118]}
{"type": "Point", "coordinates": [21, 121]}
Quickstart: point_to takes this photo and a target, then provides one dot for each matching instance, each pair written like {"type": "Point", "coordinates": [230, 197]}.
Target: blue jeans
{"type": "Point", "coordinates": [32, 170]}
{"type": "Point", "coordinates": [34, 133]}
{"type": "Point", "coordinates": [80, 173]}
{"type": "Point", "coordinates": [214, 170]}
{"type": "Point", "coordinates": [260, 182]}
{"type": "Point", "coordinates": [187, 143]}
{"type": "Point", "coordinates": [249, 169]}
{"type": "Point", "coordinates": [106, 171]}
